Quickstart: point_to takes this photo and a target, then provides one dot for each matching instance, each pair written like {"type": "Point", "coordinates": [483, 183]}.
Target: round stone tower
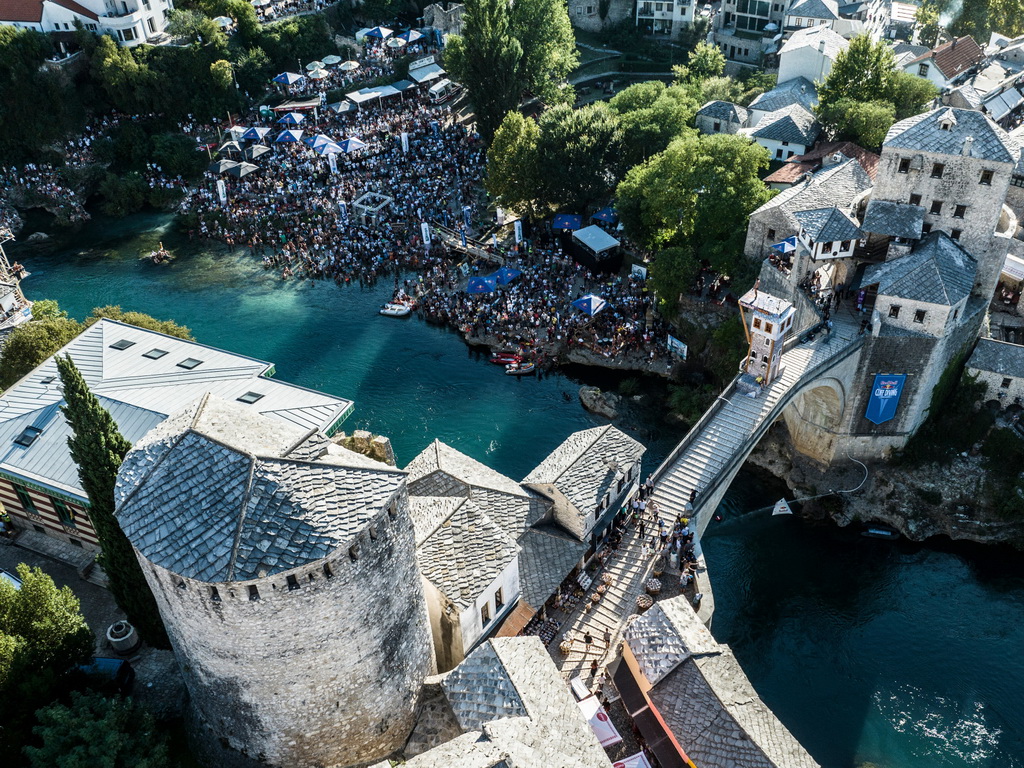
{"type": "Point", "coordinates": [284, 568]}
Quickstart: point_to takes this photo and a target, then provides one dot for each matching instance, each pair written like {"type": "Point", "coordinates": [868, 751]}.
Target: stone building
{"type": "Point", "coordinates": [721, 117]}
{"type": "Point", "coordinates": [284, 569]}
{"type": "Point", "coordinates": [999, 365]}
{"type": "Point", "coordinates": [595, 15]}
{"type": "Point", "coordinates": [140, 377]}
{"type": "Point", "coordinates": [689, 697]}
{"type": "Point", "coordinates": [445, 17]}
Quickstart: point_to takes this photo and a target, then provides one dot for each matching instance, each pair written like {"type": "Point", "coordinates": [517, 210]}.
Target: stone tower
{"type": "Point", "coordinates": [284, 568]}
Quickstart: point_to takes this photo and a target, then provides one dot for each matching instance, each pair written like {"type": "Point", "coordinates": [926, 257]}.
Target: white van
{"type": "Point", "coordinates": [443, 90]}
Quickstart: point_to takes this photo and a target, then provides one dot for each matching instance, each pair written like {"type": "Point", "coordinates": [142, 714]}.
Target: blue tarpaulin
{"type": "Point", "coordinates": [787, 245]}
{"type": "Point", "coordinates": [885, 397]}
{"type": "Point", "coordinates": [289, 78]}
{"type": "Point", "coordinates": [506, 275]}
{"type": "Point", "coordinates": [590, 304]}
{"type": "Point", "coordinates": [606, 214]}
{"type": "Point", "coordinates": [482, 285]}
{"type": "Point", "coordinates": [567, 221]}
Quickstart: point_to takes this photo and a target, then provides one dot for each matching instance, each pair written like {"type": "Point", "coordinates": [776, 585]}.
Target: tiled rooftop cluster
{"type": "Point", "coordinates": [998, 357]}
{"type": "Point", "coordinates": [946, 131]}
{"type": "Point", "coordinates": [937, 271]}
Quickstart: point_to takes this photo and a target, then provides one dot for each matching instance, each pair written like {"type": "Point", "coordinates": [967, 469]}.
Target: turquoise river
{"type": "Point", "coordinates": [892, 654]}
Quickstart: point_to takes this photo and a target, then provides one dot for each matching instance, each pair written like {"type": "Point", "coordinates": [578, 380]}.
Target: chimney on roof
{"type": "Point", "coordinates": [967, 146]}
{"type": "Point", "coordinates": [953, 45]}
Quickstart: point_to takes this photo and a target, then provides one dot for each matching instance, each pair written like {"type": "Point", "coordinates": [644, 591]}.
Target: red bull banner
{"type": "Point", "coordinates": [885, 396]}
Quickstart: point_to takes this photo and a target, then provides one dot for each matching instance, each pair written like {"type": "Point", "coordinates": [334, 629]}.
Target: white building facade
{"type": "Point", "coordinates": [130, 22]}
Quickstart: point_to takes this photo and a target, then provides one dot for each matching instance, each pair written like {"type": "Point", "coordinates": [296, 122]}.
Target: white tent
{"type": "Point", "coordinates": [595, 239]}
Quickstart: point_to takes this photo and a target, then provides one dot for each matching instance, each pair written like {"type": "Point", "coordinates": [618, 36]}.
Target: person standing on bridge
{"type": "Point", "coordinates": [693, 495]}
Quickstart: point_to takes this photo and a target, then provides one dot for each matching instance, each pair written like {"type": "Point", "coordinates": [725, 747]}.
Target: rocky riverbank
{"type": "Point", "coordinates": [919, 502]}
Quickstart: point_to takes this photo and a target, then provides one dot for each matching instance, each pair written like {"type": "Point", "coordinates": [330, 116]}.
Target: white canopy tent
{"type": "Point", "coordinates": [595, 240]}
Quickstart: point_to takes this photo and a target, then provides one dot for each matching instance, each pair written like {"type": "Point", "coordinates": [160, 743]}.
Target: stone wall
{"type": "Point", "coordinates": [323, 670]}
{"type": "Point", "coordinates": [586, 14]}
{"type": "Point", "coordinates": [994, 389]}
{"type": "Point", "coordinates": [447, 18]}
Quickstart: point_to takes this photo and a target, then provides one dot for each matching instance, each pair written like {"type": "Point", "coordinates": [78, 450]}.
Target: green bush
{"type": "Point", "coordinates": [123, 194]}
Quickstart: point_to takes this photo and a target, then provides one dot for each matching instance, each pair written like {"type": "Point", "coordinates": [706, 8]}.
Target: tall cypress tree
{"type": "Point", "coordinates": [98, 449]}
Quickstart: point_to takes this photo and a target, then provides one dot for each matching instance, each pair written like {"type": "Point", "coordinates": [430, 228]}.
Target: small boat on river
{"type": "Point", "coordinates": [880, 531]}
{"type": "Point", "coordinates": [396, 309]}
{"type": "Point", "coordinates": [505, 358]}
{"type": "Point", "coordinates": [161, 255]}
{"type": "Point", "coordinates": [520, 369]}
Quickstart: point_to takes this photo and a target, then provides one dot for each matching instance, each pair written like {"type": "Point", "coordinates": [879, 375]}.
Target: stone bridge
{"type": "Point", "coordinates": [809, 393]}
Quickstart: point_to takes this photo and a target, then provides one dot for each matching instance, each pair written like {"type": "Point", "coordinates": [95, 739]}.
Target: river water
{"type": "Point", "coordinates": [900, 655]}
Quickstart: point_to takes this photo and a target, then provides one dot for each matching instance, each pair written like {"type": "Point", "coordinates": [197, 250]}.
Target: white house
{"type": "Point", "coordinates": [812, 13]}
{"type": "Point", "coordinates": [810, 53]}
{"type": "Point", "coordinates": [944, 64]}
{"type": "Point", "coordinates": [787, 132]}
{"type": "Point", "coordinates": [667, 18]}
{"type": "Point", "coordinates": [130, 22]}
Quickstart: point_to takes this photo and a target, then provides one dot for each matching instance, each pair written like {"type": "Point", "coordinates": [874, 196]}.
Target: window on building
{"type": "Point", "coordinates": [1006, 383]}
{"type": "Point", "coordinates": [24, 499]}
{"type": "Point", "coordinates": [959, 211]}
{"type": "Point", "coordinates": [659, 6]}
{"type": "Point", "coordinates": [926, 228]}
{"type": "Point", "coordinates": [768, 327]}
{"type": "Point", "coordinates": [757, 322]}
{"type": "Point", "coordinates": [155, 354]}
{"type": "Point", "coordinates": [28, 436]}
{"type": "Point", "coordinates": [717, 126]}
{"type": "Point", "coordinates": [936, 207]}
{"type": "Point", "coordinates": [986, 178]}
{"type": "Point", "coordinates": [150, 23]}
{"type": "Point", "coordinates": [122, 344]}
{"type": "Point", "coordinates": [919, 316]}
{"type": "Point", "coordinates": [915, 199]}
{"type": "Point", "coordinates": [771, 234]}
{"type": "Point", "coordinates": [922, 70]}
{"type": "Point", "coordinates": [894, 311]}
{"type": "Point", "coordinates": [293, 583]}
{"type": "Point", "coordinates": [669, 7]}
{"type": "Point", "coordinates": [955, 234]}
{"type": "Point", "coordinates": [778, 154]}
{"type": "Point", "coordinates": [127, 35]}
{"type": "Point", "coordinates": [485, 614]}
{"type": "Point", "coordinates": [499, 600]}
{"type": "Point", "coordinates": [64, 513]}
{"type": "Point", "coordinates": [214, 595]}
{"type": "Point", "coordinates": [1017, 181]}
{"type": "Point", "coordinates": [937, 170]}
{"type": "Point", "coordinates": [905, 165]}
{"type": "Point", "coordinates": [189, 363]}
{"type": "Point", "coordinates": [250, 397]}
{"type": "Point", "coordinates": [254, 593]}
{"type": "Point", "coordinates": [328, 573]}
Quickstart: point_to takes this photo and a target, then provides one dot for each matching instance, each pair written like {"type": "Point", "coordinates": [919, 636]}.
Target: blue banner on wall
{"type": "Point", "coordinates": [885, 396]}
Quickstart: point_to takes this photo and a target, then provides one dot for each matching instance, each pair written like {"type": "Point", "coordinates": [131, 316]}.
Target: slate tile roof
{"type": "Point", "coordinates": [799, 90]}
{"type": "Point", "coordinates": [440, 456]}
{"type": "Point", "coordinates": [586, 466]}
{"type": "Point", "coordinates": [214, 495]}
{"type": "Point", "coordinates": [884, 217]}
{"type": "Point", "coordinates": [814, 37]}
{"type": "Point", "coordinates": [937, 271]}
{"type": "Point", "coordinates": [465, 553]}
{"type": "Point", "coordinates": [828, 225]}
{"type": "Point", "coordinates": [704, 697]}
{"type": "Point", "coordinates": [547, 555]}
{"type": "Point", "coordinates": [836, 185]}
{"type": "Point", "coordinates": [815, 9]}
{"type": "Point", "coordinates": [513, 705]}
{"type": "Point", "coordinates": [1000, 357]}
{"type": "Point", "coordinates": [953, 57]}
{"type": "Point", "coordinates": [725, 111]}
{"type": "Point", "coordinates": [924, 133]}
{"type": "Point", "coordinates": [794, 124]}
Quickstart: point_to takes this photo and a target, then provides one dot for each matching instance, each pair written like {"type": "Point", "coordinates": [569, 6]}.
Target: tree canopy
{"type": "Point", "coordinates": [97, 732]}
{"type": "Point", "coordinates": [31, 343]}
{"type": "Point", "coordinates": [864, 94]}
{"type": "Point", "coordinates": [97, 448]}
{"type": "Point", "coordinates": [650, 115]}
{"type": "Point", "coordinates": [141, 320]}
{"type": "Point", "coordinates": [507, 50]}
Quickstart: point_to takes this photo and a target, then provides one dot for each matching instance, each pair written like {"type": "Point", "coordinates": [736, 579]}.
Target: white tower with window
{"type": "Point", "coordinates": [771, 318]}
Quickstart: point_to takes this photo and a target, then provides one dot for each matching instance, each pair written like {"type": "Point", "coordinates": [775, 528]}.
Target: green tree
{"type": "Point", "coordinates": [123, 193]}
{"type": "Point", "coordinates": [911, 94]}
{"type": "Point", "coordinates": [512, 164]}
{"type": "Point", "coordinates": [195, 26]}
{"type": "Point", "coordinates": [705, 61]}
{"type": "Point", "coordinates": [650, 116]}
{"type": "Point", "coordinates": [47, 309]}
{"type": "Point", "coordinates": [927, 20]}
{"type": "Point", "coordinates": [31, 343]}
{"type": "Point", "coordinates": [549, 48]}
{"type": "Point", "coordinates": [141, 320]}
{"type": "Point", "coordinates": [864, 71]}
{"type": "Point", "coordinates": [1006, 17]}
{"type": "Point", "coordinates": [99, 733]}
{"type": "Point", "coordinates": [672, 275]}
{"type": "Point", "coordinates": [98, 449]}
{"type": "Point", "coordinates": [863, 122]}
{"type": "Point", "coordinates": [576, 150]}
{"type": "Point", "coordinates": [176, 154]}
{"type": "Point", "coordinates": [42, 635]}
{"type": "Point", "coordinates": [487, 58]}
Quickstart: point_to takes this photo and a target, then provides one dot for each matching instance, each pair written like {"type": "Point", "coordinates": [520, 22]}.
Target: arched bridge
{"type": "Point", "coordinates": [711, 454]}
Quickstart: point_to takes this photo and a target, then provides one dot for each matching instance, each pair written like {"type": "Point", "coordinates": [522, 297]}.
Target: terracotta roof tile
{"type": "Point", "coordinates": [21, 10]}
{"type": "Point", "coordinates": [954, 57]}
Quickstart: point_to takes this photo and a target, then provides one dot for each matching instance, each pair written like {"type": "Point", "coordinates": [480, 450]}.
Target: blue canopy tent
{"type": "Point", "coordinates": [506, 275]}
{"type": "Point", "coordinates": [319, 139]}
{"type": "Point", "coordinates": [482, 284]}
{"type": "Point", "coordinates": [411, 36]}
{"type": "Point", "coordinates": [570, 221]}
{"type": "Point", "coordinates": [381, 33]}
{"type": "Point", "coordinates": [590, 304]}
{"type": "Point", "coordinates": [256, 134]}
{"type": "Point", "coordinates": [291, 118]}
{"type": "Point", "coordinates": [290, 136]}
{"type": "Point", "coordinates": [351, 145]}
{"type": "Point", "coordinates": [787, 245]}
{"type": "Point", "coordinates": [330, 148]}
{"type": "Point", "coordinates": [606, 214]}
{"type": "Point", "coordinates": [289, 78]}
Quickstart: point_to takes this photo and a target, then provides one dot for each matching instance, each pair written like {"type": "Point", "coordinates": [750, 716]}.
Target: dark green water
{"type": "Point", "coordinates": [904, 656]}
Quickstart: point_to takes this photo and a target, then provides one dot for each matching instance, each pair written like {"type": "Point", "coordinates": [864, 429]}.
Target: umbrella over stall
{"type": "Point", "coordinates": [570, 221]}
{"type": "Point", "coordinates": [606, 214]}
{"type": "Point", "coordinates": [787, 245]}
{"type": "Point", "coordinates": [381, 33]}
{"type": "Point", "coordinates": [352, 144]}
{"type": "Point", "coordinates": [411, 36]}
{"type": "Point", "coordinates": [256, 150]}
{"type": "Point", "coordinates": [332, 60]}
{"type": "Point", "coordinates": [314, 65]}
{"type": "Point", "coordinates": [230, 146]}
{"type": "Point", "coordinates": [590, 304]}
{"type": "Point", "coordinates": [242, 169]}
{"type": "Point", "coordinates": [506, 275]}
{"type": "Point", "coordinates": [319, 74]}
{"type": "Point", "coordinates": [291, 118]}
{"type": "Point", "coordinates": [317, 140]}
{"type": "Point", "coordinates": [330, 148]}
{"type": "Point", "coordinates": [349, 66]}
{"type": "Point", "coordinates": [256, 133]}
{"type": "Point", "coordinates": [221, 166]}
{"type": "Point", "coordinates": [290, 136]}
{"type": "Point", "coordinates": [288, 78]}
{"type": "Point", "coordinates": [482, 284]}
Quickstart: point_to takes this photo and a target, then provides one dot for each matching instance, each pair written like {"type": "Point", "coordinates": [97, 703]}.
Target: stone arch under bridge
{"type": "Point", "coordinates": [808, 393]}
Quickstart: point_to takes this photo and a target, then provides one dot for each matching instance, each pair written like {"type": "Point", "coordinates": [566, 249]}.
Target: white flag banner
{"type": "Point", "coordinates": [782, 508]}
{"type": "Point", "coordinates": [639, 760]}
{"type": "Point", "coordinates": [518, 226]}
{"type": "Point", "coordinates": [499, 215]}
{"type": "Point", "coordinates": [332, 160]}
{"type": "Point", "coordinates": [405, 142]}
{"type": "Point", "coordinates": [425, 231]}
{"type": "Point", "coordinates": [222, 190]}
